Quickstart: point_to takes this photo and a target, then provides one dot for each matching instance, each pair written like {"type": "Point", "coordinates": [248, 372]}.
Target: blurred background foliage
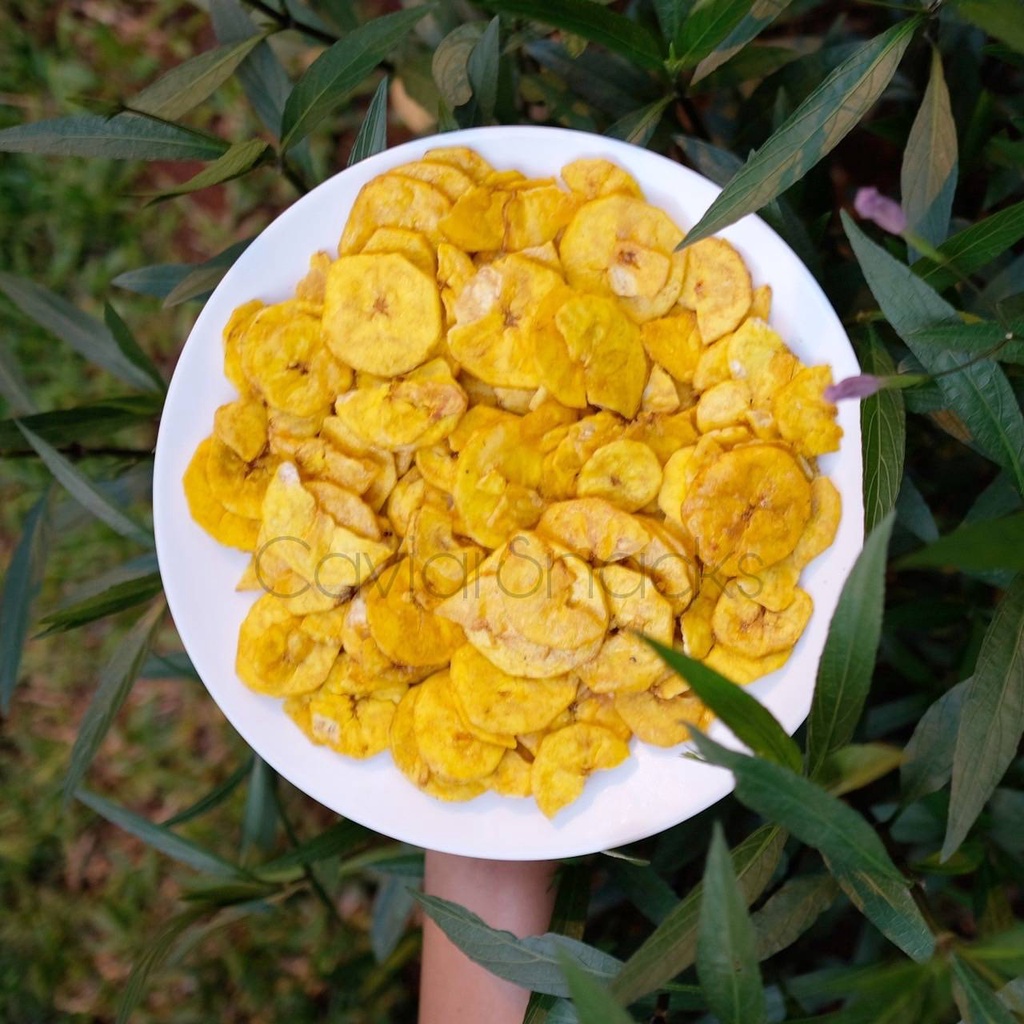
{"type": "Point", "coordinates": [151, 868]}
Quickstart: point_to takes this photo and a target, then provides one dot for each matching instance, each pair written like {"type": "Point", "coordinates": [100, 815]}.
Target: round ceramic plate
{"type": "Point", "coordinates": [654, 788]}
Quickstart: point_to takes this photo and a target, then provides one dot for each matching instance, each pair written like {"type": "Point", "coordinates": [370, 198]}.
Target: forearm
{"type": "Point", "coordinates": [516, 896]}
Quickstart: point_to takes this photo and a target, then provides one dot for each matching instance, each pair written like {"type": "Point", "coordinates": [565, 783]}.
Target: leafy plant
{"type": "Point", "coordinates": [852, 892]}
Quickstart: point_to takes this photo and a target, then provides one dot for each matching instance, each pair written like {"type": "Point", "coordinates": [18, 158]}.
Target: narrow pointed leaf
{"type": "Point", "coordinates": [86, 493]}
{"type": "Point", "coordinates": [593, 22]}
{"type": "Point", "coordinates": [974, 247]}
{"type": "Point", "coordinates": [214, 798]}
{"type": "Point", "coordinates": [131, 349]}
{"type": "Point", "coordinates": [670, 14]}
{"type": "Point", "coordinates": [999, 18]}
{"type": "Point", "coordinates": [333, 76]}
{"type": "Point", "coordinates": [638, 126]}
{"type": "Point", "coordinates": [79, 423]}
{"type": "Point", "coordinates": [259, 820]}
{"type": "Point", "coordinates": [975, 999]}
{"type": "Point", "coordinates": [14, 389]}
{"type": "Point", "coordinates": [857, 765]}
{"type": "Point", "coordinates": [976, 547]}
{"type": "Point", "coordinates": [791, 911]}
{"type": "Point", "coordinates": [814, 129]}
{"type": "Point", "coordinates": [749, 720]}
{"type": "Point", "coordinates": [264, 80]}
{"type": "Point", "coordinates": [726, 943]}
{"type": "Point", "coordinates": [161, 838]}
{"type": "Point", "coordinates": [116, 680]}
{"type": "Point", "coordinates": [928, 756]}
{"type": "Point", "coordinates": [156, 280]}
{"type": "Point", "coordinates": [241, 158]}
{"type": "Point", "coordinates": [850, 845]}
{"type": "Point", "coordinates": [339, 839]}
{"type": "Point", "coordinates": [184, 87]}
{"type": "Point", "coordinates": [672, 946]}
{"type": "Point", "coordinates": [20, 587]}
{"type": "Point", "coordinates": [373, 132]}
{"type": "Point", "coordinates": [976, 390]}
{"type": "Point", "coordinates": [705, 27]}
{"type": "Point", "coordinates": [991, 720]}
{"type": "Point", "coordinates": [122, 137]}
{"type": "Point", "coordinates": [980, 337]}
{"type": "Point", "coordinates": [929, 173]}
{"type": "Point", "coordinates": [889, 905]}
{"type": "Point", "coordinates": [848, 659]}
{"type": "Point", "coordinates": [591, 999]}
{"type": "Point", "coordinates": [87, 336]}
{"type": "Point", "coordinates": [883, 423]}
{"type": "Point", "coordinates": [392, 908]}
{"type": "Point", "coordinates": [533, 962]}
{"type": "Point", "coordinates": [115, 599]}
{"type": "Point", "coordinates": [482, 70]}
{"type": "Point", "coordinates": [760, 15]}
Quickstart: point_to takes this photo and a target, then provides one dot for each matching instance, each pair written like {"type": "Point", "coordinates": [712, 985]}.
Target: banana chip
{"type": "Point", "coordinates": [567, 757]}
{"type": "Point", "coordinates": [209, 511]}
{"type": "Point", "coordinates": [662, 721]}
{"type": "Point", "coordinates": [747, 627]}
{"type": "Point", "coordinates": [717, 287]}
{"type": "Point", "coordinates": [625, 473]}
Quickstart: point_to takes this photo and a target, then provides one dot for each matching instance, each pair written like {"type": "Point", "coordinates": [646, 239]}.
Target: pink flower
{"type": "Point", "coordinates": [861, 386]}
{"type": "Point", "coordinates": [870, 204]}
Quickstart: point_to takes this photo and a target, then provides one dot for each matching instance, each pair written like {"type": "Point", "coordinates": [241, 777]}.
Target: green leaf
{"type": "Point", "coordinates": [259, 820]}
{"type": "Point", "coordinates": [241, 158]}
{"type": "Point", "coordinates": [482, 69]}
{"type": "Point", "coordinates": [449, 65]}
{"type": "Point", "coordinates": [264, 80]}
{"type": "Point", "coordinates": [814, 129]}
{"type": "Point", "coordinates": [975, 998]}
{"type": "Point", "coordinates": [751, 722]}
{"type": "Point", "coordinates": [999, 18]}
{"type": "Point", "coordinates": [131, 349]}
{"type": "Point", "coordinates": [214, 798]}
{"type": "Point", "coordinates": [153, 955]}
{"type": "Point", "coordinates": [979, 392]}
{"type": "Point", "coordinates": [117, 598]}
{"type": "Point", "coordinates": [976, 547]}
{"type": "Point", "coordinates": [87, 336]}
{"type": "Point", "coordinates": [161, 838]}
{"type": "Point", "coordinates": [761, 13]}
{"type": "Point", "coordinates": [726, 944]}
{"type": "Point", "coordinates": [708, 24]}
{"type": "Point", "coordinates": [883, 423]}
{"type": "Point", "coordinates": [857, 765]}
{"type": "Point", "coordinates": [184, 87]}
{"type": "Point", "coordinates": [594, 22]}
{"type": "Point", "coordinates": [672, 946]}
{"type": "Point", "coordinates": [928, 755]}
{"type": "Point", "coordinates": [372, 137]}
{"type": "Point", "coordinates": [533, 962]}
{"type": "Point", "coordinates": [848, 659]}
{"type": "Point", "coordinates": [790, 911]}
{"type": "Point", "coordinates": [856, 854]}
{"type": "Point", "coordinates": [392, 908]}
{"type": "Point", "coordinates": [14, 389]}
{"type": "Point", "coordinates": [20, 587]}
{"type": "Point", "coordinates": [74, 426]}
{"type": "Point", "coordinates": [974, 247]}
{"type": "Point", "coordinates": [638, 126]}
{"type": "Point", "coordinates": [645, 889]}
{"type": "Point", "coordinates": [889, 905]}
{"type": "Point", "coordinates": [122, 137]}
{"type": "Point", "coordinates": [340, 69]}
{"type": "Point", "coordinates": [116, 680]}
{"type": "Point", "coordinates": [340, 838]}
{"type": "Point", "coordinates": [983, 337]}
{"type": "Point", "coordinates": [992, 718]}
{"type": "Point", "coordinates": [593, 1003]}
{"type": "Point", "coordinates": [85, 492]}
{"type": "Point", "coordinates": [670, 14]}
{"type": "Point", "coordinates": [929, 173]}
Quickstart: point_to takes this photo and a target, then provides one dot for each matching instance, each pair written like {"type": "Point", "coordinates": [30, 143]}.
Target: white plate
{"type": "Point", "coordinates": [655, 788]}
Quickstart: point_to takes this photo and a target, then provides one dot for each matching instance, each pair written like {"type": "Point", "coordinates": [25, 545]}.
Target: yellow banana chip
{"type": "Point", "coordinates": [594, 529]}
{"type": "Point", "coordinates": [805, 419]}
{"type": "Point", "coordinates": [717, 287]}
{"type": "Point", "coordinates": [567, 757]}
{"type": "Point", "coordinates": [595, 177]}
{"type": "Point", "coordinates": [394, 201]}
{"type": "Point", "coordinates": [209, 511]}
{"type": "Point", "coordinates": [747, 627]}
{"type": "Point", "coordinates": [662, 722]}
{"type": "Point", "coordinates": [242, 426]}
{"type": "Point", "coordinates": [625, 473]}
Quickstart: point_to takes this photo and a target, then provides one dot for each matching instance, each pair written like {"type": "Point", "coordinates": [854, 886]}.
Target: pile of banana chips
{"type": "Point", "coordinates": [508, 430]}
